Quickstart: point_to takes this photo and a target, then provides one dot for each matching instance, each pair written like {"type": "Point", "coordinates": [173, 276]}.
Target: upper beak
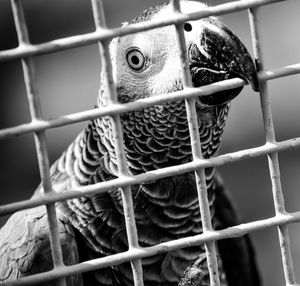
{"type": "Point", "coordinates": [218, 56]}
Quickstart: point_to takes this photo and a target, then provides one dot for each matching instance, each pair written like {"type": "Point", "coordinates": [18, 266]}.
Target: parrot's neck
{"type": "Point", "coordinates": [158, 136]}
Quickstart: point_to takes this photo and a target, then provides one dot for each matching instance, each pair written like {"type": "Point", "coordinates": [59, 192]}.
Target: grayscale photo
{"type": "Point", "coordinates": [150, 142]}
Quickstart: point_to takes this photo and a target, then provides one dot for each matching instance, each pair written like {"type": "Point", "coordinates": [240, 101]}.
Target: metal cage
{"type": "Point", "coordinates": [38, 125]}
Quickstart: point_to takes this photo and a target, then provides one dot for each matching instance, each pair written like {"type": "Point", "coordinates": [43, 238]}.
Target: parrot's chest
{"type": "Point", "coordinates": [165, 209]}
{"type": "Point", "coordinates": [170, 207]}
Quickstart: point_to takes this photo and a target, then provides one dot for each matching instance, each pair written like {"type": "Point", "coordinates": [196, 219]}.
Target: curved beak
{"type": "Point", "coordinates": [220, 55]}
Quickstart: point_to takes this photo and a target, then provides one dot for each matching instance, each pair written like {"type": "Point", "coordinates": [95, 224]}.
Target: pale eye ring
{"type": "Point", "coordinates": [135, 59]}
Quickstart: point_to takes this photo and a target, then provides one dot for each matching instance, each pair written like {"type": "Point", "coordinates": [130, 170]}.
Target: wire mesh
{"type": "Point", "coordinates": [39, 125]}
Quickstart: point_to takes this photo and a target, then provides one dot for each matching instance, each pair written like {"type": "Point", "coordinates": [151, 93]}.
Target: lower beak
{"type": "Point", "coordinates": [220, 55]}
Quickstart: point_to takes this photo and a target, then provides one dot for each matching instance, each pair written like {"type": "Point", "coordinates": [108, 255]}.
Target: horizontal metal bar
{"type": "Point", "coordinates": [115, 108]}
{"type": "Point", "coordinates": [152, 175]}
{"type": "Point", "coordinates": [25, 50]}
{"type": "Point", "coordinates": [279, 72]}
{"type": "Point", "coordinates": [116, 259]}
{"type": "Point", "coordinates": [38, 125]}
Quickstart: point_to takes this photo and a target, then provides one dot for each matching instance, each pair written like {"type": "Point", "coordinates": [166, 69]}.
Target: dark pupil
{"type": "Point", "coordinates": [135, 60]}
{"type": "Point", "coordinates": [187, 27]}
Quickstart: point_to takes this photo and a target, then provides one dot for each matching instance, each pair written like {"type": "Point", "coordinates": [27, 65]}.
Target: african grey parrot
{"type": "Point", "coordinates": [144, 65]}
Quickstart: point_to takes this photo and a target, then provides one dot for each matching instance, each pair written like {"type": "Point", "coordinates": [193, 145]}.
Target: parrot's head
{"type": "Point", "coordinates": [148, 63]}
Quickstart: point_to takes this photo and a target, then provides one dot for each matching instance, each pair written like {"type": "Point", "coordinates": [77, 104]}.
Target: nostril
{"type": "Point", "coordinates": [187, 27]}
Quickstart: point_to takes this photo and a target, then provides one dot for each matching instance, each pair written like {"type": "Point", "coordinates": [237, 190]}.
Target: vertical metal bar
{"type": "Point", "coordinates": [99, 20]}
{"type": "Point", "coordinates": [272, 157]}
{"type": "Point", "coordinates": [197, 153]}
{"type": "Point", "coordinates": [40, 139]}
{"type": "Point", "coordinates": [131, 229]}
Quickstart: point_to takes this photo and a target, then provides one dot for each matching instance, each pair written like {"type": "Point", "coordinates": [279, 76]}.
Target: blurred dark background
{"type": "Point", "coordinates": [68, 82]}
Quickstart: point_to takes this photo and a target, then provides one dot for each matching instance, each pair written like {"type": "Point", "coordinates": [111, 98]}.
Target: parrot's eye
{"type": "Point", "coordinates": [135, 59]}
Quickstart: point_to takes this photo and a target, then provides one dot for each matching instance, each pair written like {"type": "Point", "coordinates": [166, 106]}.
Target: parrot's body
{"type": "Point", "coordinates": [144, 65]}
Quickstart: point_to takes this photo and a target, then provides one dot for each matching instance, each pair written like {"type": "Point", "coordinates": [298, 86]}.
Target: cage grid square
{"type": "Point", "coordinates": [38, 126]}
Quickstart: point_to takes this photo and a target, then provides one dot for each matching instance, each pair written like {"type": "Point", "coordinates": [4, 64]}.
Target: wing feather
{"type": "Point", "coordinates": [25, 246]}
